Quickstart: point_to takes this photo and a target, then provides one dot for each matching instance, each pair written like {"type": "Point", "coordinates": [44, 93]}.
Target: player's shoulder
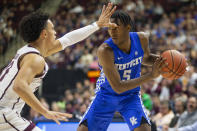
{"type": "Point", "coordinates": [34, 60]}
{"type": "Point", "coordinates": [143, 35]}
{"type": "Point", "coordinates": [104, 49]}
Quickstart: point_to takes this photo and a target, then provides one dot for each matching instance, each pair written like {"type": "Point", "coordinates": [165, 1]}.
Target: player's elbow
{"type": "Point", "coordinates": [117, 88]}
{"type": "Point", "coordinates": [18, 86]}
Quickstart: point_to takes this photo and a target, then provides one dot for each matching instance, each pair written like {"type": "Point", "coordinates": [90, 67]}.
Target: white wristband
{"type": "Point", "coordinates": [78, 35]}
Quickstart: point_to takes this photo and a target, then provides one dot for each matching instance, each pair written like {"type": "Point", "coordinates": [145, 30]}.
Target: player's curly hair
{"type": "Point", "coordinates": [31, 25]}
{"type": "Point", "coordinates": [124, 18]}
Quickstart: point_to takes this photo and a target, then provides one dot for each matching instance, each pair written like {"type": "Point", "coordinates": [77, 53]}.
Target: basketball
{"type": "Point", "coordinates": [176, 64]}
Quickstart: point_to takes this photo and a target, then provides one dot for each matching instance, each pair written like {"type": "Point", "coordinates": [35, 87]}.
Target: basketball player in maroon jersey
{"type": "Point", "coordinates": [23, 75]}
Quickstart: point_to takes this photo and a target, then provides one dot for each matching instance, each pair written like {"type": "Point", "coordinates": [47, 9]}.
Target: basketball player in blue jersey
{"type": "Point", "coordinates": [118, 87]}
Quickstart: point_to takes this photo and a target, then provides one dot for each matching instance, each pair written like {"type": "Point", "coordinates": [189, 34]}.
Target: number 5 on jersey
{"type": "Point", "coordinates": [126, 74]}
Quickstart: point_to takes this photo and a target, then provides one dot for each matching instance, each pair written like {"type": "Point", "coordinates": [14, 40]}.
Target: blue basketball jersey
{"type": "Point", "coordinates": [128, 65]}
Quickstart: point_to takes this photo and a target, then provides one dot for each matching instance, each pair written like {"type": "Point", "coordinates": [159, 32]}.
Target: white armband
{"type": "Point", "coordinates": [78, 35]}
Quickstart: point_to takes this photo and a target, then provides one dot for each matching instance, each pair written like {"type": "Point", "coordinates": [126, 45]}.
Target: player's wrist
{"type": "Point", "coordinates": [44, 111]}
{"type": "Point", "coordinates": [97, 24]}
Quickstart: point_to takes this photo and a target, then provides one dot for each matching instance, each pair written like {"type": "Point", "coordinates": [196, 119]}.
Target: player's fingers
{"type": "Point", "coordinates": [65, 115]}
{"type": "Point", "coordinates": [63, 118]}
{"type": "Point", "coordinates": [157, 62]}
{"type": "Point", "coordinates": [60, 117]}
{"type": "Point", "coordinates": [55, 119]}
{"type": "Point", "coordinates": [111, 12]}
{"type": "Point", "coordinates": [163, 63]}
{"type": "Point", "coordinates": [103, 10]}
{"type": "Point", "coordinates": [112, 25]}
{"type": "Point", "coordinates": [108, 9]}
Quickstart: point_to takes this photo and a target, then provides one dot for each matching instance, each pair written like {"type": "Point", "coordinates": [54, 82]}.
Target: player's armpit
{"type": "Point", "coordinates": [148, 58]}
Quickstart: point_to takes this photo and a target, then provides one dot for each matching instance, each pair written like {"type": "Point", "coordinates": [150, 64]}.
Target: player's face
{"type": "Point", "coordinates": [50, 32]}
{"type": "Point", "coordinates": [118, 33]}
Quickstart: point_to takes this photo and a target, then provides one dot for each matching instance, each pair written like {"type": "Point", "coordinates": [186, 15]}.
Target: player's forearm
{"type": "Point", "coordinates": [25, 93]}
{"type": "Point", "coordinates": [78, 35]}
{"type": "Point", "coordinates": [149, 61]}
{"type": "Point", "coordinates": [72, 38]}
{"type": "Point", "coordinates": [133, 83]}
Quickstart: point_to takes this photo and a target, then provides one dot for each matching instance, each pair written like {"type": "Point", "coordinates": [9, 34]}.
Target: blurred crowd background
{"type": "Point", "coordinates": [172, 25]}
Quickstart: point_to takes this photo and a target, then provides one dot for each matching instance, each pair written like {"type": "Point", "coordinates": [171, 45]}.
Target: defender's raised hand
{"type": "Point", "coordinates": [104, 19]}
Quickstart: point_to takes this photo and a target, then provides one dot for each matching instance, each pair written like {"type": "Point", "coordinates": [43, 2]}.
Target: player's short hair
{"type": "Point", "coordinates": [31, 25]}
{"type": "Point", "coordinates": [124, 18]}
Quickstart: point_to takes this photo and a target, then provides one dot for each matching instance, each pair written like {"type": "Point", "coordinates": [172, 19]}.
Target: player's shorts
{"type": "Point", "coordinates": [101, 111]}
{"type": "Point", "coordinates": [12, 121]}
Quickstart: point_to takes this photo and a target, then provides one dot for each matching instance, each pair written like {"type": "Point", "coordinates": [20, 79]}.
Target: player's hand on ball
{"type": "Point", "coordinates": [157, 67]}
{"type": "Point", "coordinates": [104, 19]}
{"type": "Point", "coordinates": [56, 116]}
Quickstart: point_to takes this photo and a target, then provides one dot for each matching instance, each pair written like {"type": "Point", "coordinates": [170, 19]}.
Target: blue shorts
{"type": "Point", "coordinates": [101, 111]}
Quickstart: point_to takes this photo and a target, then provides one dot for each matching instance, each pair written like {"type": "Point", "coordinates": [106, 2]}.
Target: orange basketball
{"type": "Point", "coordinates": [176, 64]}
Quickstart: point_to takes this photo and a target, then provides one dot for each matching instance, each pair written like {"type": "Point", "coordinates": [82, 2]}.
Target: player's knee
{"type": "Point", "coordinates": [82, 128]}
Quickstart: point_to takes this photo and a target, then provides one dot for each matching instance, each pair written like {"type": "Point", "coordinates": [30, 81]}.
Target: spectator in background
{"type": "Point", "coordinates": [165, 92]}
{"type": "Point", "coordinates": [79, 113]}
{"type": "Point", "coordinates": [2, 43]}
{"type": "Point", "coordinates": [55, 107]}
{"type": "Point", "coordinates": [156, 103]}
{"type": "Point", "coordinates": [192, 90]}
{"type": "Point", "coordinates": [189, 116]}
{"type": "Point", "coordinates": [164, 116]}
{"type": "Point", "coordinates": [86, 58]}
{"type": "Point", "coordinates": [180, 105]}
{"type": "Point", "coordinates": [192, 127]}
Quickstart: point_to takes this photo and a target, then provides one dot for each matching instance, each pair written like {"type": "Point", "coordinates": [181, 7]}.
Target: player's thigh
{"type": "Point", "coordinates": [99, 114]}
{"type": "Point", "coordinates": [133, 112]}
{"type": "Point", "coordinates": [143, 127]}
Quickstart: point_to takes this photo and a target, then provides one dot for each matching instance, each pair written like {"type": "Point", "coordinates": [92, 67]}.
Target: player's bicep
{"type": "Point", "coordinates": [144, 40]}
{"type": "Point", "coordinates": [31, 65]}
{"type": "Point", "coordinates": [106, 60]}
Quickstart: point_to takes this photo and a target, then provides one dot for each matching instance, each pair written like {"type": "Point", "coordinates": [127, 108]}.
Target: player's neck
{"type": "Point", "coordinates": [40, 47]}
{"type": "Point", "coordinates": [125, 46]}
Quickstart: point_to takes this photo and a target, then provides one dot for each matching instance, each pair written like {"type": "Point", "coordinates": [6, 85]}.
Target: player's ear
{"type": "Point", "coordinates": [43, 34]}
{"type": "Point", "coordinates": [129, 27]}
